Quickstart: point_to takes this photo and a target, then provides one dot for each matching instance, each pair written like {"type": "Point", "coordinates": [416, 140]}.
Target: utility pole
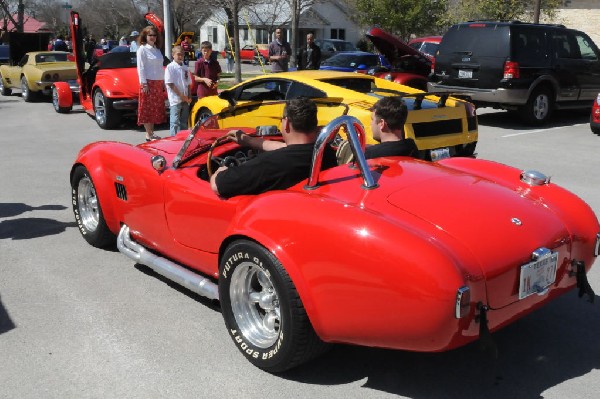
{"type": "Point", "coordinates": [168, 29]}
{"type": "Point", "coordinates": [294, 38]}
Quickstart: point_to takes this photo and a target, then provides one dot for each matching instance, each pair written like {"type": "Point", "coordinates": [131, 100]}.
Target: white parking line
{"type": "Point", "coordinates": [542, 130]}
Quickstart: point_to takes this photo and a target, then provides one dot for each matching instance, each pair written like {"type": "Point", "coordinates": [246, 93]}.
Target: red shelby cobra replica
{"type": "Point", "coordinates": [109, 88]}
{"type": "Point", "coordinates": [391, 252]}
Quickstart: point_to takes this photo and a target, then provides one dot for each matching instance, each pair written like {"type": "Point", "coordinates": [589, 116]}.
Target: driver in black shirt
{"type": "Point", "coordinates": [283, 164]}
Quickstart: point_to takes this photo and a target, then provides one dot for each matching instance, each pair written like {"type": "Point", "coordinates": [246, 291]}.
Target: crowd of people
{"type": "Point", "coordinates": [280, 164]}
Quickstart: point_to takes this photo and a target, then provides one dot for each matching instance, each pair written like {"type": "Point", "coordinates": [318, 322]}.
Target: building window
{"type": "Point", "coordinates": [262, 36]}
{"type": "Point", "coordinates": [338, 34]}
{"type": "Point", "coordinates": [244, 33]}
{"type": "Point", "coordinates": [212, 34]}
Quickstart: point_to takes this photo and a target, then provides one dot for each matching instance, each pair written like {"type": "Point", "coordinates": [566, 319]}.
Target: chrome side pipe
{"type": "Point", "coordinates": [171, 270]}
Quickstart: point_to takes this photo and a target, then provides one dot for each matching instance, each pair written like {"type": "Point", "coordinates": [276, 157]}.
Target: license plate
{"type": "Point", "coordinates": [465, 73]}
{"type": "Point", "coordinates": [440, 153]}
{"type": "Point", "coordinates": [537, 276]}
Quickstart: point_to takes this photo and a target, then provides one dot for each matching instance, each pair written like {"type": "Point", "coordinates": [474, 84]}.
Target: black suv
{"type": "Point", "coordinates": [530, 68]}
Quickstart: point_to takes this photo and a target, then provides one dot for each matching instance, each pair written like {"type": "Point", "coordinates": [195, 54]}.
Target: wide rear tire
{"type": "Point", "coordinates": [87, 210]}
{"type": "Point", "coordinates": [106, 116]}
{"type": "Point", "coordinates": [56, 104]}
{"type": "Point", "coordinates": [263, 311]}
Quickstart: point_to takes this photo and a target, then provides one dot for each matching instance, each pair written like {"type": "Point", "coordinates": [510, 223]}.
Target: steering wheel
{"type": "Point", "coordinates": [209, 157]}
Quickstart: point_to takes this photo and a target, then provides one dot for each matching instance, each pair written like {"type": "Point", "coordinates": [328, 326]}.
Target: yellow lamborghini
{"type": "Point", "coordinates": [440, 126]}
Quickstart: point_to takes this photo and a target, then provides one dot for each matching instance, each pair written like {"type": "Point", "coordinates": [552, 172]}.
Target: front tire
{"type": "Point", "coordinates": [106, 116]}
{"type": "Point", "coordinates": [87, 210]}
{"type": "Point", "coordinates": [539, 107]}
{"type": "Point", "coordinates": [55, 103]}
{"type": "Point", "coordinates": [5, 91]}
{"type": "Point", "coordinates": [263, 311]}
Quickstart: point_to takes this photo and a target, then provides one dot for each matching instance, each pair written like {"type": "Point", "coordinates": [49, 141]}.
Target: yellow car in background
{"type": "Point", "coordinates": [441, 126]}
{"type": "Point", "coordinates": [36, 72]}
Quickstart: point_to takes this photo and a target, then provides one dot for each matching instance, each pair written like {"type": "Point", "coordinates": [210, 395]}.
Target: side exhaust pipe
{"type": "Point", "coordinates": [171, 270]}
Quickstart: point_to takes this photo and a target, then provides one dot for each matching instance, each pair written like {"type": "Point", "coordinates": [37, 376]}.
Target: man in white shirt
{"type": "Point", "coordinates": [177, 80]}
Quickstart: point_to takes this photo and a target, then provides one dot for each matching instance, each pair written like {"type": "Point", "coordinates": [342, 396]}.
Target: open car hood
{"type": "Point", "coordinates": [395, 49]}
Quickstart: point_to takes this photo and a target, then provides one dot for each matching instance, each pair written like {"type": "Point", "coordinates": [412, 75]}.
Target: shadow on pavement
{"type": "Point", "coordinates": [26, 228]}
{"type": "Point", "coordinates": [6, 323]}
{"type": "Point", "coordinates": [550, 346]}
{"type": "Point", "coordinates": [16, 208]}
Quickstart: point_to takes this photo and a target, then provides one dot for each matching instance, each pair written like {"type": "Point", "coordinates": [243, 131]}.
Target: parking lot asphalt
{"type": "Point", "coordinates": [80, 322]}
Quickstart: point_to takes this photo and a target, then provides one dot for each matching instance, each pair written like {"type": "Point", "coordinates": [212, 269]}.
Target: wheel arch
{"type": "Point", "coordinates": [545, 81]}
{"type": "Point", "coordinates": [102, 185]}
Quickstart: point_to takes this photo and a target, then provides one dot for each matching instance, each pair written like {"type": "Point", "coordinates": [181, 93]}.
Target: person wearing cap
{"type": "Point", "coordinates": [133, 46]}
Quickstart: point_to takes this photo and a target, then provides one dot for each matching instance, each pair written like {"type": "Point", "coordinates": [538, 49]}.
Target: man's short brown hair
{"type": "Point", "coordinates": [392, 110]}
{"type": "Point", "coordinates": [302, 114]}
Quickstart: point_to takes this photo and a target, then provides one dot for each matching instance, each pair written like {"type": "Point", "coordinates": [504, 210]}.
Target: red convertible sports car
{"type": "Point", "coordinates": [109, 88]}
{"type": "Point", "coordinates": [390, 252]}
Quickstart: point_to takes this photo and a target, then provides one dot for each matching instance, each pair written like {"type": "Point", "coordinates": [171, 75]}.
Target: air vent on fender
{"type": "Point", "coordinates": [121, 191]}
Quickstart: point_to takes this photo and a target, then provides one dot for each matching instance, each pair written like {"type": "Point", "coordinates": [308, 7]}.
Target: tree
{"type": "Point", "coordinates": [506, 10]}
{"type": "Point", "coordinates": [401, 17]}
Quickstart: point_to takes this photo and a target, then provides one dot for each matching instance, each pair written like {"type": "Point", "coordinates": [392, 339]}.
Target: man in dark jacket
{"type": "Point", "coordinates": [309, 57]}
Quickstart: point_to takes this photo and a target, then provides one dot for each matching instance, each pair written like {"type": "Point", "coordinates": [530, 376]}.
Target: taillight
{"type": "Point", "coordinates": [511, 70]}
{"type": "Point", "coordinates": [463, 302]}
{"type": "Point", "coordinates": [470, 108]}
{"type": "Point", "coordinates": [432, 64]}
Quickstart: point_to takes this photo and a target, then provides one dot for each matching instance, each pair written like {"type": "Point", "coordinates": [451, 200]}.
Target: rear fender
{"type": "Point", "coordinates": [352, 269]}
{"type": "Point", "coordinates": [65, 95]}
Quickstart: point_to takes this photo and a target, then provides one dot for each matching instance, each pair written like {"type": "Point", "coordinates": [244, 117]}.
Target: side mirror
{"type": "Point", "coordinates": [228, 95]}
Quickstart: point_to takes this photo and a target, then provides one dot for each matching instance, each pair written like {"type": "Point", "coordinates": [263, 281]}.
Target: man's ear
{"type": "Point", "coordinates": [285, 125]}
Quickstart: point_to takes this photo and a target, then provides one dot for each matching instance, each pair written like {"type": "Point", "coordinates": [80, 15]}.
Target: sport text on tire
{"type": "Point", "coordinates": [26, 94]}
{"type": "Point", "coordinates": [55, 103]}
{"type": "Point", "coordinates": [106, 116]}
{"type": "Point", "coordinates": [3, 89]}
{"type": "Point", "coordinates": [263, 311]}
{"type": "Point", "coordinates": [87, 210]}
{"type": "Point", "coordinates": [539, 107]}
{"type": "Point", "coordinates": [203, 114]}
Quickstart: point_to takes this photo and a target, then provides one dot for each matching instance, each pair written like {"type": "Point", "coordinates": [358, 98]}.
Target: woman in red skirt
{"type": "Point", "coordinates": [151, 105]}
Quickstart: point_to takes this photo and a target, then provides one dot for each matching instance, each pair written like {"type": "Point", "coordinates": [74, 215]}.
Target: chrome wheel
{"type": "Point", "coordinates": [541, 106]}
{"type": "Point", "coordinates": [25, 92]}
{"type": "Point", "coordinates": [100, 108]}
{"type": "Point", "coordinates": [87, 202]}
{"type": "Point", "coordinates": [203, 114]}
{"type": "Point", "coordinates": [255, 304]}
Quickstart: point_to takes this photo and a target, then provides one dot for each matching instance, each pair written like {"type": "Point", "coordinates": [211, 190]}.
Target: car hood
{"type": "Point", "coordinates": [393, 48]}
